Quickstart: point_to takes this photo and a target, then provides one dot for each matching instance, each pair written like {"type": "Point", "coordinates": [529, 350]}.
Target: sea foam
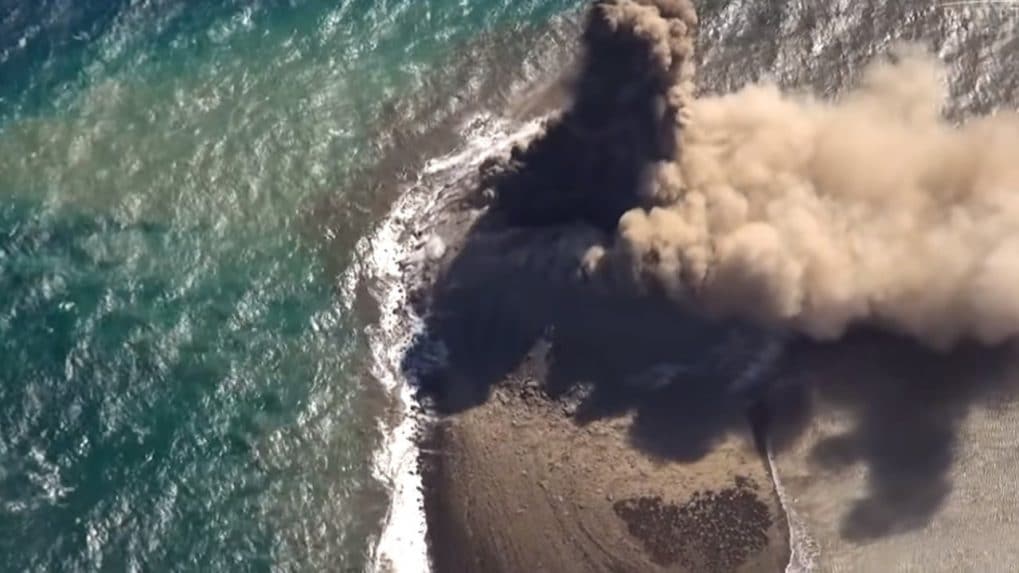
{"type": "Point", "coordinates": [388, 262]}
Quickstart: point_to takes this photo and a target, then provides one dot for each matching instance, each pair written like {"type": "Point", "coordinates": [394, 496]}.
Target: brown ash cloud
{"type": "Point", "coordinates": [783, 208]}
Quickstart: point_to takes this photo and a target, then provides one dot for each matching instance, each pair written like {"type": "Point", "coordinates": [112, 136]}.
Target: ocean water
{"type": "Point", "coordinates": [190, 193]}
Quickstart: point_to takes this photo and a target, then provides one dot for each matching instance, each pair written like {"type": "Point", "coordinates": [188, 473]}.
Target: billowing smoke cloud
{"type": "Point", "coordinates": [807, 214]}
{"type": "Point", "coordinates": [591, 162]}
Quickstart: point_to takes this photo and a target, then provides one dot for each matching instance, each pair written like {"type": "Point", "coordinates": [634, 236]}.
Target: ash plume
{"type": "Point", "coordinates": [591, 162]}
{"type": "Point", "coordinates": [781, 208]}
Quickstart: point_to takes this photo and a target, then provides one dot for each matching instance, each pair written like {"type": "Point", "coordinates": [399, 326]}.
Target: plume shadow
{"type": "Point", "coordinates": [906, 404]}
{"type": "Point", "coordinates": [513, 306]}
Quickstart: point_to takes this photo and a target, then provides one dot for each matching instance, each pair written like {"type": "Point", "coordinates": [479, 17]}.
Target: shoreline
{"type": "Point", "coordinates": [393, 254]}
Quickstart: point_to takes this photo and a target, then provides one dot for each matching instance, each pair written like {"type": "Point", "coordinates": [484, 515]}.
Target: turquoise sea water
{"type": "Point", "coordinates": [182, 380]}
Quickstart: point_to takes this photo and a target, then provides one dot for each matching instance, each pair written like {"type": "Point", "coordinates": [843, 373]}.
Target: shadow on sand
{"type": "Point", "coordinates": [510, 306]}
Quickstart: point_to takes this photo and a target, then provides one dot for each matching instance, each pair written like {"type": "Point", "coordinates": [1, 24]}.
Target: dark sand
{"type": "Point", "coordinates": [517, 485]}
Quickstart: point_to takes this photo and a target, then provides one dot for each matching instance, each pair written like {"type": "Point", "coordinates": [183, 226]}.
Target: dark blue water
{"type": "Point", "coordinates": [183, 381]}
